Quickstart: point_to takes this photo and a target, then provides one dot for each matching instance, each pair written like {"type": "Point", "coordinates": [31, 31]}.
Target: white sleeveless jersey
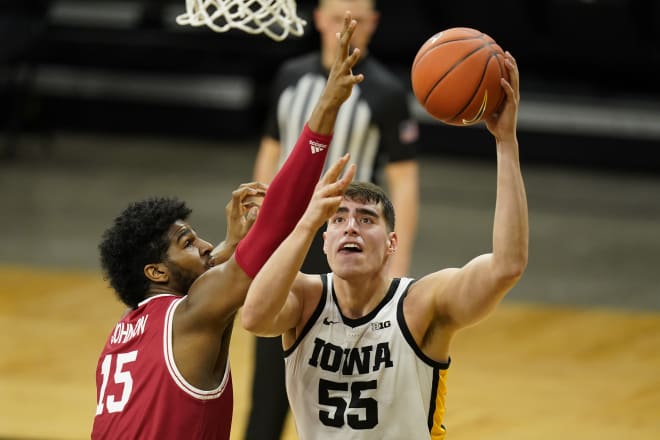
{"type": "Point", "coordinates": [364, 378]}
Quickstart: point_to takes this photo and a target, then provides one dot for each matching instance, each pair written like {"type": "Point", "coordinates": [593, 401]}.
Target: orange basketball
{"type": "Point", "coordinates": [456, 76]}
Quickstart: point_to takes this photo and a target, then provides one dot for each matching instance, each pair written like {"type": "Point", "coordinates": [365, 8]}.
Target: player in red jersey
{"type": "Point", "coordinates": [164, 371]}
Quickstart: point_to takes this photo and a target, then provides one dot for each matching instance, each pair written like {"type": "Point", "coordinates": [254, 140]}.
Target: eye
{"type": "Point", "coordinates": [187, 243]}
{"type": "Point", "coordinates": [366, 220]}
{"type": "Point", "coordinates": [338, 219]}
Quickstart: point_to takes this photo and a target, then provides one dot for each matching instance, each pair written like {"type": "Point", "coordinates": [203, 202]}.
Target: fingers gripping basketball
{"type": "Point", "coordinates": [456, 76]}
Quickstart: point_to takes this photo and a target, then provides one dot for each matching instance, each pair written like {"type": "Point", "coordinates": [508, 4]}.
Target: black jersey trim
{"type": "Point", "coordinates": [434, 395]}
{"type": "Point", "coordinates": [312, 319]}
{"type": "Point", "coordinates": [409, 338]}
{"type": "Point", "coordinates": [369, 316]}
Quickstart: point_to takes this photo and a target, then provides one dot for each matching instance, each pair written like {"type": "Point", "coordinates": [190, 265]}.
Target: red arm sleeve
{"type": "Point", "coordinates": [285, 202]}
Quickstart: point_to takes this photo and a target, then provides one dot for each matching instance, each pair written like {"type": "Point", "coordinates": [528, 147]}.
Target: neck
{"type": "Point", "coordinates": [161, 290]}
{"type": "Point", "coordinates": [358, 297]}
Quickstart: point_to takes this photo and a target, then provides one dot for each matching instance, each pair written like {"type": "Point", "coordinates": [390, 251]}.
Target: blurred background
{"type": "Point", "coordinates": [590, 71]}
{"type": "Point", "coordinates": [107, 101]}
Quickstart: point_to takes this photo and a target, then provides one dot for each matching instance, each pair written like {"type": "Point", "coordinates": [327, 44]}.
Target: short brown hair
{"type": "Point", "coordinates": [367, 192]}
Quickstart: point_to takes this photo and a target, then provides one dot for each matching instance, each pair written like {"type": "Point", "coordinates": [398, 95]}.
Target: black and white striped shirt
{"type": "Point", "coordinates": [374, 124]}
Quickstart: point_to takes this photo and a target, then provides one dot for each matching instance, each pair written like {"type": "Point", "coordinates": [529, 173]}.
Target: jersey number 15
{"type": "Point", "coordinates": [120, 377]}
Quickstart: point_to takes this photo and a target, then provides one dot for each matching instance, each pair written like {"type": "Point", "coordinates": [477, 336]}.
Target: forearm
{"type": "Point", "coordinates": [324, 115]}
{"type": "Point", "coordinates": [263, 309]}
{"type": "Point", "coordinates": [480, 285]}
{"type": "Point", "coordinates": [511, 229]}
{"type": "Point", "coordinates": [286, 200]}
{"type": "Point", "coordinates": [294, 184]}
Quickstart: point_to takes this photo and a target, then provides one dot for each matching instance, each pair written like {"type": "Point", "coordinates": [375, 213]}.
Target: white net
{"type": "Point", "coordinates": [275, 18]}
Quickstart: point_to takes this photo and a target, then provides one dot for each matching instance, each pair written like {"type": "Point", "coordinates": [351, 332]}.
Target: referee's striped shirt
{"type": "Point", "coordinates": [374, 125]}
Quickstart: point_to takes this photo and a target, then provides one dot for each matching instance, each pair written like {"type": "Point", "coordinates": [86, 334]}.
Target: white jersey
{"type": "Point", "coordinates": [364, 378]}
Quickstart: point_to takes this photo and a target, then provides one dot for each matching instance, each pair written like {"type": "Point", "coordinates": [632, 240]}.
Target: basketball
{"type": "Point", "coordinates": [456, 76]}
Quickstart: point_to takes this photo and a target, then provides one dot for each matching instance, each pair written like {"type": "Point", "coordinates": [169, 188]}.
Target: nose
{"type": "Point", "coordinates": [205, 248]}
{"type": "Point", "coordinates": [351, 227]}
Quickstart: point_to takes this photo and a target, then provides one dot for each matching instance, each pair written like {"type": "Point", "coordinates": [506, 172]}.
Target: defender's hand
{"type": "Point", "coordinates": [242, 210]}
{"type": "Point", "coordinates": [341, 79]}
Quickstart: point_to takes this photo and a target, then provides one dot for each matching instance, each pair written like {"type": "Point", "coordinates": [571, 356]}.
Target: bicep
{"type": "Point", "coordinates": [468, 294]}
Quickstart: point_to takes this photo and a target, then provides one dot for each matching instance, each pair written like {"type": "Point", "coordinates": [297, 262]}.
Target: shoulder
{"type": "Point", "coordinates": [309, 289]}
{"type": "Point", "coordinates": [425, 313]}
{"type": "Point", "coordinates": [434, 280]}
{"type": "Point", "coordinates": [427, 289]}
{"type": "Point", "coordinates": [309, 285]}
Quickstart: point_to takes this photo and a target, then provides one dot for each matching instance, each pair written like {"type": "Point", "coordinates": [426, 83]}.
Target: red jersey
{"type": "Point", "coordinates": [140, 392]}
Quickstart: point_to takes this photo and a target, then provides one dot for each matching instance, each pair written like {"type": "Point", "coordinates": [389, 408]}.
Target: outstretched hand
{"type": "Point", "coordinates": [341, 79]}
{"type": "Point", "coordinates": [242, 210]}
{"type": "Point", "coordinates": [503, 124]}
{"type": "Point", "coordinates": [329, 193]}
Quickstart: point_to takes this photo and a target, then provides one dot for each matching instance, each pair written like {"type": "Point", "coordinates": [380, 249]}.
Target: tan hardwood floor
{"type": "Point", "coordinates": [527, 372]}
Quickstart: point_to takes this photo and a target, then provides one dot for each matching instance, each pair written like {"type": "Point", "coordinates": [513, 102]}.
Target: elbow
{"type": "Point", "coordinates": [516, 271]}
{"type": "Point", "coordinates": [257, 325]}
{"type": "Point", "coordinates": [511, 270]}
{"type": "Point", "coordinates": [257, 321]}
{"type": "Point", "coordinates": [517, 266]}
{"type": "Point", "coordinates": [250, 320]}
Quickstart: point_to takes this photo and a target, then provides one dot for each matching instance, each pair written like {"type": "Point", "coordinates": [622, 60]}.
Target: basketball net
{"type": "Point", "coordinates": [275, 18]}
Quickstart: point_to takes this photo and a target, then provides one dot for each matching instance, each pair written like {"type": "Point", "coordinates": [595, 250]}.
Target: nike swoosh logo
{"type": "Point", "coordinates": [327, 322]}
{"type": "Point", "coordinates": [480, 112]}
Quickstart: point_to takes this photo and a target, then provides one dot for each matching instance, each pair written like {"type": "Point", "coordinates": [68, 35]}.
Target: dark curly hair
{"type": "Point", "coordinates": [137, 237]}
{"type": "Point", "coordinates": [367, 192]}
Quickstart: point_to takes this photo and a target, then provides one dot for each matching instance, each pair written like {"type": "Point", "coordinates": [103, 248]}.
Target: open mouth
{"type": "Point", "coordinates": [350, 248]}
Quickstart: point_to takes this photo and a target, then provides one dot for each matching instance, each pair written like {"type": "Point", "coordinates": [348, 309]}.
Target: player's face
{"type": "Point", "coordinates": [357, 240]}
{"type": "Point", "coordinates": [187, 257]}
{"type": "Point", "coordinates": [329, 19]}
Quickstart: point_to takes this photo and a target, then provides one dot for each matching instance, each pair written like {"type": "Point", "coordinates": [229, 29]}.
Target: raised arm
{"type": "Point", "coordinates": [464, 296]}
{"type": "Point", "coordinates": [286, 199]}
{"type": "Point", "coordinates": [271, 307]}
{"type": "Point", "coordinates": [294, 184]}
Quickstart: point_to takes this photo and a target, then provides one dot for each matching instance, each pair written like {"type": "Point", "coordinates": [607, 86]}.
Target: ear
{"type": "Point", "coordinates": [392, 243]}
{"type": "Point", "coordinates": [325, 250]}
{"type": "Point", "coordinates": [157, 273]}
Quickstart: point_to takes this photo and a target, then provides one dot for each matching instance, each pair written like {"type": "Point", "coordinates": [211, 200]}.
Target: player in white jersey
{"type": "Point", "coordinates": [360, 366]}
{"type": "Point", "coordinates": [367, 355]}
